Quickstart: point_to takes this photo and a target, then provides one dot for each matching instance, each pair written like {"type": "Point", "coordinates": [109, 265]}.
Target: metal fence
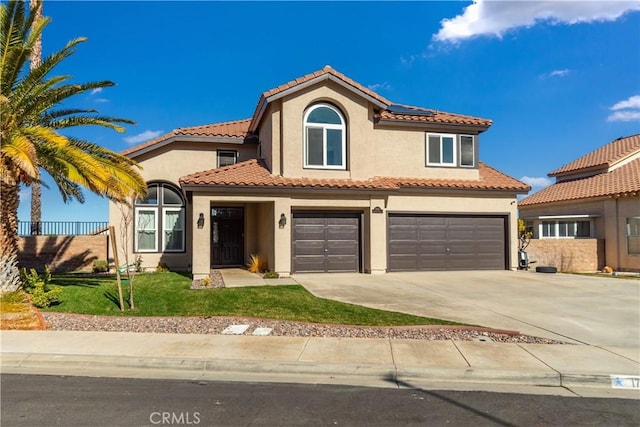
{"type": "Point", "coordinates": [62, 228]}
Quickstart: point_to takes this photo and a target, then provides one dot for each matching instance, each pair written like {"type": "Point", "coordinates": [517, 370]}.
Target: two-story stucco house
{"type": "Point", "coordinates": [326, 176]}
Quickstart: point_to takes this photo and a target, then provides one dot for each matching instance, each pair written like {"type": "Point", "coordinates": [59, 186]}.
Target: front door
{"type": "Point", "coordinates": [227, 236]}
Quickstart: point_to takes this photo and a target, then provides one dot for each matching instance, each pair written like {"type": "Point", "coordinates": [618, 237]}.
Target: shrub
{"type": "Point", "coordinates": [271, 275]}
{"type": "Point", "coordinates": [257, 264]}
{"type": "Point", "coordinates": [38, 287]}
{"type": "Point", "coordinates": [100, 266]}
{"type": "Point", "coordinates": [162, 267]}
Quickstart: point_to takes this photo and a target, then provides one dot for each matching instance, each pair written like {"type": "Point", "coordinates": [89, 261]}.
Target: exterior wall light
{"type": "Point", "coordinates": [377, 209]}
{"type": "Point", "coordinates": [283, 221]}
{"type": "Point", "coordinates": [200, 220]}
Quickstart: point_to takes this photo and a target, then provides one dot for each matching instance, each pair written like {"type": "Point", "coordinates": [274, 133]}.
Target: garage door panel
{"type": "Point", "coordinates": [310, 264]}
{"type": "Point", "coordinates": [342, 233]}
{"type": "Point", "coordinates": [446, 242]}
{"type": "Point", "coordinates": [309, 248]}
{"type": "Point", "coordinates": [342, 263]}
{"type": "Point", "coordinates": [404, 262]}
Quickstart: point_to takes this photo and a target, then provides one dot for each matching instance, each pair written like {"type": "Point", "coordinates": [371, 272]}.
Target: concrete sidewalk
{"type": "Point", "coordinates": [557, 369]}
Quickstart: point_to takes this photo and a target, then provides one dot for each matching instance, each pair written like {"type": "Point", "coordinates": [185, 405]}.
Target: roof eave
{"type": "Point", "coordinates": [188, 138]}
{"type": "Point", "coordinates": [432, 125]}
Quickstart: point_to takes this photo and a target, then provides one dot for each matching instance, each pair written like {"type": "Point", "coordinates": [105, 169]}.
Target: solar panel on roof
{"type": "Point", "coordinates": [399, 109]}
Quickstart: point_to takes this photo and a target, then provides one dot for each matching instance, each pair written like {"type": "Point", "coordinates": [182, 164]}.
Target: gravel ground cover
{"type": "Point", "coordinates": [215, 325]}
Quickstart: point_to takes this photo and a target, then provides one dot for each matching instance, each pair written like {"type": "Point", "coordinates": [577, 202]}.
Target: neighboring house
{"type": "Point", "coordinates": [591, 216]}
{"type": "Point", "coordinates": [326, 176]}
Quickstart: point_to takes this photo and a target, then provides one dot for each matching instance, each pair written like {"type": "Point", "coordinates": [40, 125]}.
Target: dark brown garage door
{"type": "Point", "coordinates": [432, 242]}
{"type": "Point", "coordinates": [325, 242]}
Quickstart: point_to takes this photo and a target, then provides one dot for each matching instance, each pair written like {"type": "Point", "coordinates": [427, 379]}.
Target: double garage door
{"type": "Point", "coordinates": [331, 242]}
{"type": "Point", "coordinates": [434, 242]}
{"type": "Point", "coordinates": [325, 242]}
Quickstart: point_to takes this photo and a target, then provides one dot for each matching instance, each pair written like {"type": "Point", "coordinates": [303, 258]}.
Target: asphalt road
{"type": "Point", "coordinates": [29, 400]}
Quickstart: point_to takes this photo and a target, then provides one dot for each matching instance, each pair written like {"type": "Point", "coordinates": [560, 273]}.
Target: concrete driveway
{"type": "Point", "coordinates": [590, 310]}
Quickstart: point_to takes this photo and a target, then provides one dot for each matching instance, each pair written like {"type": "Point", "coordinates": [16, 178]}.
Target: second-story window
{"type": "Point", "coordinates": [324, 138]}
{"type": "Point", "coordinates": [445, 149]}
{"type": "Point", "coordinates": [226, 158]}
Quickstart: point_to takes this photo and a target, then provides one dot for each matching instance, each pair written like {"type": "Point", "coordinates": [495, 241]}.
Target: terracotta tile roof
{"type": "Point", "coordinates": [623, 181]}
{"type": "Point", "coordinates": [490, 179]}
{"type": "Point", "coordinates": [435, 117]}
{"type": "Point", "coordinates": [604, 156]}
{"type": "Point", "coordinates": [254, 173]}
{"type": "Point", "coordinates": [233, 129]}
{"type": "Point", "coordinates": [326, 70]}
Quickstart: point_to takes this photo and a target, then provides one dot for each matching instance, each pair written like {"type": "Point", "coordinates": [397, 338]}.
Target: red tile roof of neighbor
{"type": "Point", "coordinates": [622, 181]}
{"type": "Point", "coordinates": [240, 128]}
{"type": "Point", "coordinates": [254, 173]}
{"type": "Point", "coordinates": [606, 155]}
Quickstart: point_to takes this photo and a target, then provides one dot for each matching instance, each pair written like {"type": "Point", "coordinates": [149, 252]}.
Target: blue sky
{"type": "Point", "coordinates": [558, 79]}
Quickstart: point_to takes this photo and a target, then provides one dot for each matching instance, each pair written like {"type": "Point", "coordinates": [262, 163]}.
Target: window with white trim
{"type": "Point", "coordinates": [565, 229]}
{"type": "Point", "coordinates": [226, 157]}
{"type": "Point", "coordinates": [447, 149]}
{"type": "Point", "coordinates": [325, 144]}
{"type": "Point", "coordinates": [159, 224]}
{"type": "Point", "coordinates": [633, 235]}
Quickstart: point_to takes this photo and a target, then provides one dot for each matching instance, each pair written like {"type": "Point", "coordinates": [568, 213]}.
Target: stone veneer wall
{"type": "Point", "coordinates": [61, 253]}
{"type": "Point", "coordinates": [571, 255]}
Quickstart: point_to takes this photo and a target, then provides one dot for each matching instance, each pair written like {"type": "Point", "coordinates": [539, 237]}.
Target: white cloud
{"type": "Point", "coordinates": [407, 61]}
{"type": "Point", "coordinates": [144, 136]}
{"type": "Point", "coordinates": [627, 110]}
{"type": "Point", "coordinates": [379, 86]}
{"type": "Point", "coordinates": [631, 102]}
{"type": "Point", "coordinates": [101, 100]}
{"type": "Point", "coordinates": [559, 73]}
{"type": "Point", "coordinates": [490, 17]}
{"type": "Point", "coordinates": [537, 182]}
{"type": "Point", "coordinates": [624, 116]}
{"type": "Point", "coordinates": [96, 91]}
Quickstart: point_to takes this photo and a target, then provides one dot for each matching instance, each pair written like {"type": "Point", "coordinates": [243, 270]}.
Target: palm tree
{"type": "Point", "coordinates": [34, 61]}
{"type": "Point", "coordinates": [30, 119]}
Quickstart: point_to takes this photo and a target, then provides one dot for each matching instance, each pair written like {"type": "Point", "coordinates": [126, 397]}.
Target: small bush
{"type": "Point", "coordinates": [205, 281]}
{"type": "Point", "coordinates": [162, 267]}
{"type": "Point", "coordinates": [100, 266]}
{"type": "Point", "coordinates": [271, 275]}
{"type": "Point", "coordinates": [257, 264]}
{"type": "Point", "coordinates": [38, 287]}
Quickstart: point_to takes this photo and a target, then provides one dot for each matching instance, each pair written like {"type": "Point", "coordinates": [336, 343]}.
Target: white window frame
{"type": "Point", "coordinates": [473, 151]}
{"type": "Point", "coordinates": [572, 223]}
{"type": "Point", "coordinates": [629, 235]}
{"type": "Point", "coordinates": [455, 161]}
{"type": "Point", "coordinates": [164, 229]}
{"type": "Point", "coordinates": [324, 126]}
{"type": "Point", "coordinates": [235, 156]}
{"type": "Point", "coordinates": [137, 230]}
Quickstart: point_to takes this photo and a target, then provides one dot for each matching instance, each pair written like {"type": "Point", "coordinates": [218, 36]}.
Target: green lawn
{"type": "Point", "coordinates": [168, 294]}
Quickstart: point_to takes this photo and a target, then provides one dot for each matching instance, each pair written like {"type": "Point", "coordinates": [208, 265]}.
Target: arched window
{"type": "Point", "coordinates": [324, 138]}
{"type": "Point", "coordinates": [159, 220]}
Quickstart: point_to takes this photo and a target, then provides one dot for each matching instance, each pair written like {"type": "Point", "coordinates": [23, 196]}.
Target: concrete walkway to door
{"type": "Point", "coordinates": [598, 311]}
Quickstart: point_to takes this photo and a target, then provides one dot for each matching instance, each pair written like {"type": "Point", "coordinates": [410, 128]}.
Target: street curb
{"type": "Point", "coordinates": [131, 366]}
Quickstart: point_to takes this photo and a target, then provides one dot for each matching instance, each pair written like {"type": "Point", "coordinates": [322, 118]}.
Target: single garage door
{"type": "Point", "coordinates": [434, 242]}
{"type": "Point", "coordinates": [325, 242]}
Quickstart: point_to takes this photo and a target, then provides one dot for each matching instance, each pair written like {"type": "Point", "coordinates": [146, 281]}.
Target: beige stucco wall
{"type": "Point", "coordinates": [168, 164]}
{"type": "Point", "coordinates": [371, 150]}
{"type": "Point", "coordinates": [609, 224]}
